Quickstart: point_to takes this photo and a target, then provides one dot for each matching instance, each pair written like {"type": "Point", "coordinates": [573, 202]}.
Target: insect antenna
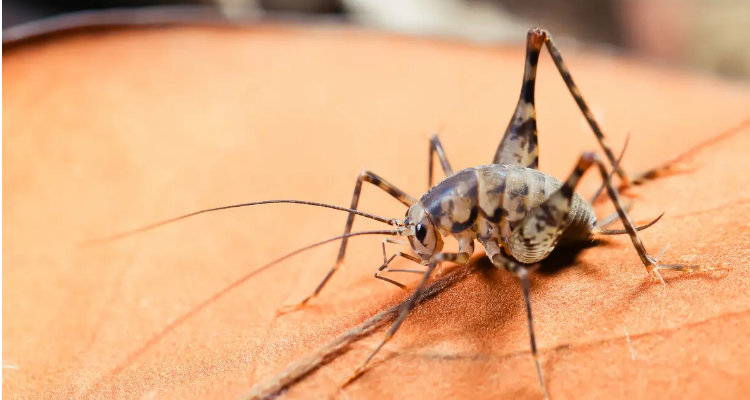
{"type": "Point", "coordinates": [394, 232]}
{"type": "Point", "coordinates": [389, 221]}
{"type": "Point", "coordinates": [221, 293]}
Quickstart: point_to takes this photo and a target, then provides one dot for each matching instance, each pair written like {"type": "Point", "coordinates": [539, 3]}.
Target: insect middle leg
{"type": "Point", "coordinates": [371, 178]}
{"type": "Point", "coordinates": [519, 145]}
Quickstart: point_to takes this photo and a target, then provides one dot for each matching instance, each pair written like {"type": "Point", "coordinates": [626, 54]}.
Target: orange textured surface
{"type": "Point", "coordinates": [105, 132]}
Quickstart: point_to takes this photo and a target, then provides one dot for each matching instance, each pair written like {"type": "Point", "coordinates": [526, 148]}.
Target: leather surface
{"type": "Point", "coordinates": [106, 131]}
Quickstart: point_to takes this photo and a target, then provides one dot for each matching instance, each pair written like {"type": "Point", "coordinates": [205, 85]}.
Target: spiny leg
{"type": "Point", "coordinates": [437, 148]}
{"type": "Point", "coordinates": [589, 159]}
{"type": "Point", "coordinates": [368, 177]}
{"type": "Point", "coordinates": [521, 273]}
{"type": "Point", "coordinates": [462, 257]}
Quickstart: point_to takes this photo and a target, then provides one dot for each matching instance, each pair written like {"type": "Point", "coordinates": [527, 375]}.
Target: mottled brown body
{"type": "Point", "coordinates": [516, 212]}
{"type": "Point", "coordinates": [488, 202]}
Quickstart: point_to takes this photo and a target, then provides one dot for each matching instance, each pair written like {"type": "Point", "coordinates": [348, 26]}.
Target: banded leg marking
{"type": "Point", "coordinates": [519, 145]}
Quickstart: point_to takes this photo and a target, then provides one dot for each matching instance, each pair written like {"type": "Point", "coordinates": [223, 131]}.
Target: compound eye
{"type": "Point", "coordinates": [421, 232]}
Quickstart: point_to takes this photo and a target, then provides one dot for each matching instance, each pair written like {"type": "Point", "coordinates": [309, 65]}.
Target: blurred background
{"type": "Point", "coordinates": [710, 36]}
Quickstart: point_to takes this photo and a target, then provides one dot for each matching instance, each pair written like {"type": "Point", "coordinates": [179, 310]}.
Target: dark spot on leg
{"type": "Point", "coordinates": [533, 56]}
{"type": "Point", "coordinates": [527, 91]}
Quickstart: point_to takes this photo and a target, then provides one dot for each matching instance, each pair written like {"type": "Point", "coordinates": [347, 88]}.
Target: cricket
{"type": "Point", "coordinates": [517, 213]}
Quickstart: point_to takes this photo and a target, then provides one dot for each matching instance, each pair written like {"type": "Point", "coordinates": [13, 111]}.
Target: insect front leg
{"type": "Point", "coordinates": [436, 148]}
{"type": "Point", "coordinates": [371, 178]}
{"type": "Point", "coordinates": [387, 260]}
{"type": "Point", "coordinates": [462, 257]}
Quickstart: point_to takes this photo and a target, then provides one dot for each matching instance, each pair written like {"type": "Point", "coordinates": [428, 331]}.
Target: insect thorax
{"type": "Point", "coordinates": [490, 199]}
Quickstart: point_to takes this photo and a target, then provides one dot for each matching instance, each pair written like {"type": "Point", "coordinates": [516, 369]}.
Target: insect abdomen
{"type": "Point", "coordinates": [580, 222]}
{"type": "Point", "coordinates": [511, 191]}
{"type": "Point", "coordinates": [495, 191]}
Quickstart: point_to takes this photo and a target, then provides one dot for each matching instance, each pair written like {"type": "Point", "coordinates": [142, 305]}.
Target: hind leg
{"type": "Point", "coordinates": [538, 232]}
{"type": "Point", "coordinates": [628, 180]}
{"type": "Point", "coordinates": [519, 145]}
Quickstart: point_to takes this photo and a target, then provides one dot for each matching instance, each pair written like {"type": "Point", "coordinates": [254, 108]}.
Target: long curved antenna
{"type": "Point", "coordinates": [389, 221]}
{"type": "Point", "coordinates": [394, 232]}
{"type": "Point", "coordinates": [207, 302]}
